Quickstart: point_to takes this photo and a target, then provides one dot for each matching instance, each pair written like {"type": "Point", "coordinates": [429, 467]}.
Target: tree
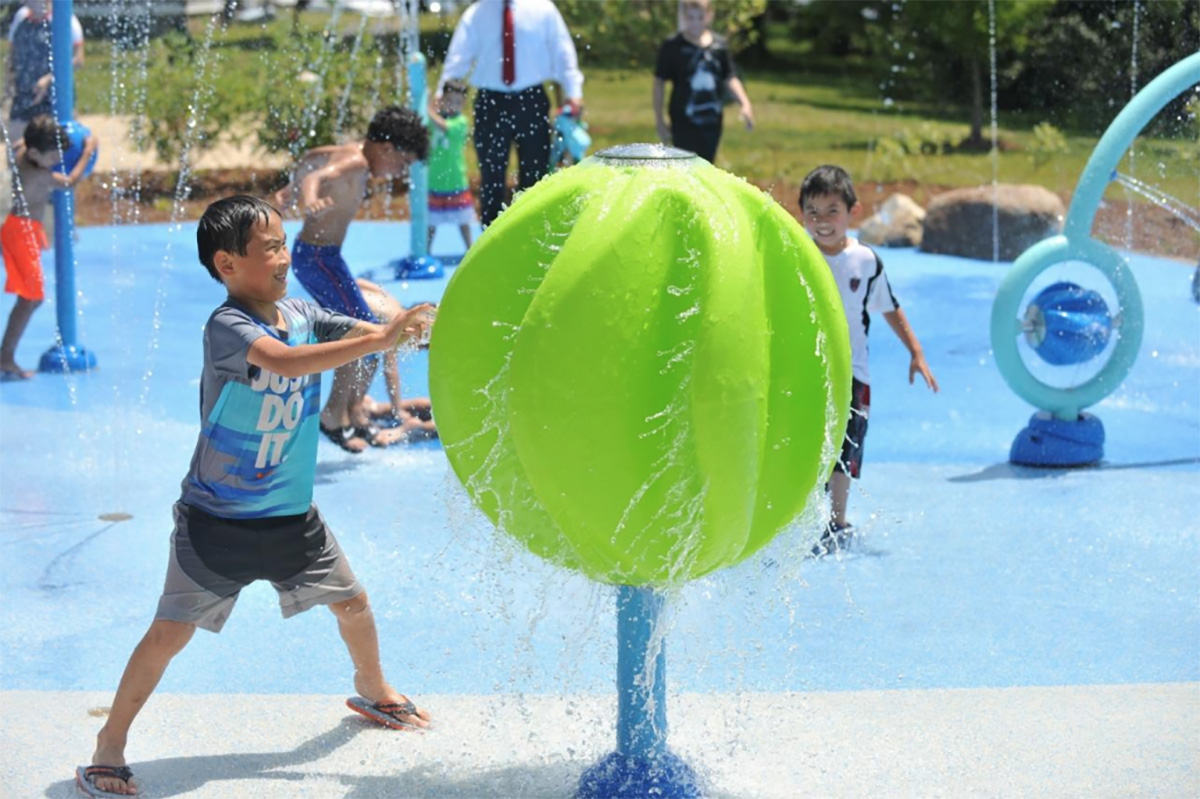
{"type": "Point", "coordinates": [1081, 69]}
{"type": "Point", "coordinates": [953, 39]}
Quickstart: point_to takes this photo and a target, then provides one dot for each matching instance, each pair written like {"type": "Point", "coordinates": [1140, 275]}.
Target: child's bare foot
{"type": "Point", "coordinates": [10, 372]}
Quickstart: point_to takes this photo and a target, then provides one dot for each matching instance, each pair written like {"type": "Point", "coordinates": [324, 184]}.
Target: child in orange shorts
{"type": "Point", "coordinates": [53, 157]}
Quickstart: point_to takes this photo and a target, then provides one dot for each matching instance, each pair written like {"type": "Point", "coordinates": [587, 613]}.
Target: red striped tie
{"type": "Point", "coordinates": [510, 58]}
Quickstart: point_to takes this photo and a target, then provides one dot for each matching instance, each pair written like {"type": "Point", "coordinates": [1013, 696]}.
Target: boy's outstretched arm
{"type": "Point", "coordinates": [745, 110]}
{"type": "Point", "coordinates": [363, 339]}
{"type": "Point", "coordinates": [917, 365]}
{"type": "Point", "coordinates": [437, 119]}
{"type": "Point", "coordinates": [656, 100]}
{"type": "Point", "coordinates": [306, 191]}
{"type": "Point", "coordinates": [89, 146]}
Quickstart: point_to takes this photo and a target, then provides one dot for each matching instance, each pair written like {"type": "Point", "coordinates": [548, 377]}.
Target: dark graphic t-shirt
{"type": "Point", "coordinates": [698, 76]}
{"type": "Point", "coordinates": [256, 455]}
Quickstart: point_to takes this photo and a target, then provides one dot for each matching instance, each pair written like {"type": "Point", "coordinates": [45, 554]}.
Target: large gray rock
{"type": "Point", "coordinates": [960, 222]}
{"type": "Point", "coordinates": [897, 223]}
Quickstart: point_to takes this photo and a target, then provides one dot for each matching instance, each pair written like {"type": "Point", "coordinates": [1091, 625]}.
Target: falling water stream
{"type": "Point", "coordinates": [995, 130]}
{"type": "Point", "coordinates": [1133, 90]}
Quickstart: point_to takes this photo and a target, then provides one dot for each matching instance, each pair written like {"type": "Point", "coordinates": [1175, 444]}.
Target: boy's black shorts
{"type": "Point", "coordinates": [213, 559]}
{"type": "Point", "coordinates": [856, 430]}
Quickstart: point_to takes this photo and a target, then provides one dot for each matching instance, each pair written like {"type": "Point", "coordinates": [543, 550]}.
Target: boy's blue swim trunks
{"type": "Point", "coordinates": [324, 274]}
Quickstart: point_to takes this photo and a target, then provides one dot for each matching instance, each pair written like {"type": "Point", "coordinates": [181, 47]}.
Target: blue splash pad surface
{"type": "Point", "coordinates": [970, 573]}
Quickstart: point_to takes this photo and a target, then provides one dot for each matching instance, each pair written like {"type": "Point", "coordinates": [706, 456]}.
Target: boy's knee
{"type": "Point", "coordinates": [351, 608]}
{"type": "Point", "coordinates": [169, 636]}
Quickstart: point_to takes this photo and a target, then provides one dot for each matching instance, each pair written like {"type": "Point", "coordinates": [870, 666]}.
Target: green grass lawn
{"type": "Point", "coordinates": [803, 120]}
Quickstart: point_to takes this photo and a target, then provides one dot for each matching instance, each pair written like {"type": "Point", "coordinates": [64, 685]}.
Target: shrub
{"type": "Point", "coordinates": [1048, 144]}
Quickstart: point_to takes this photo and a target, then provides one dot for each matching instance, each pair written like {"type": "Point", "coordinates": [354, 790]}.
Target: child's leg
{"type": "Point", "coordinates": [466, 234]}
{"type": "Point", "coordinates": [429, 242]}
{"type": "Point", "coordinates": [839, 494]}
{"type": "Point", "coordinates": [18, 319]}
{"type": "Point", "coordinates": [344, 407]}
{"type": "Point", "coordinates": [149, 660]}
{"type": "Point", "coordinates": [849, 463]}
{"type": "Point", "coordinates": [356, 623]}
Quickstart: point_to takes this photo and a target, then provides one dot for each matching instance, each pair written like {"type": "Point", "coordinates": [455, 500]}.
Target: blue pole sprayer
{"type": "Point", "coordinates": [642, 766]}
{"type": "Point", "coordinates": [66, 355]}
{"type": "Point", "coordinates": [1061, 434]}
{"type": "Point", "coordinates": [418, 263]}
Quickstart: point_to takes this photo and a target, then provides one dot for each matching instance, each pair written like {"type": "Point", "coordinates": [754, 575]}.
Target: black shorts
{"type": "Point", "coordinates": [701, 141]}
{"type": "Point", "coordinates": [850, 461]}
{"type": "Point", "coordinates": [213, 559]}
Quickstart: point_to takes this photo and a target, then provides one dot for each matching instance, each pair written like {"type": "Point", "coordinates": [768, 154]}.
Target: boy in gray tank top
{"type": "Point", "coordinates": [245, 511]}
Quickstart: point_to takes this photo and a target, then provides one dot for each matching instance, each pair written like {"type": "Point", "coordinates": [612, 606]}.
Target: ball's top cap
{"type": "Point", "coordinates": [645, 153]}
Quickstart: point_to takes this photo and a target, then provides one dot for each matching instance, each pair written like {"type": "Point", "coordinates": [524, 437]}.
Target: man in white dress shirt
{"type": "Point", "coordinates": [508, 49]}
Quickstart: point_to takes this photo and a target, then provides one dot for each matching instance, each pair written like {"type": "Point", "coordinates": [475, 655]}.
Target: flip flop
{"type": "Point", "coordinates": [368, 432]}
{"type": "Point", "coordinates": [835, 539]}
{"type": "Point", "coordinates": [85, 777]}
{"type": "Point", "coordinates": [386, 713]}
{"type": "Point", "coordinates": [342, 436]}
{"type": "Point", "coordinates": [15, 375]}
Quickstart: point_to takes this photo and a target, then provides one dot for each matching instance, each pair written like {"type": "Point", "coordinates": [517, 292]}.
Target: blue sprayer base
{"type": "Point", "coordinates": [619, 776]}
{"type": "Point", "coordinates": [71, 358]}
{"type": "Point", "coordinates": [1057, 443]}
{"type": "Point", "coordinates": [419, 267]}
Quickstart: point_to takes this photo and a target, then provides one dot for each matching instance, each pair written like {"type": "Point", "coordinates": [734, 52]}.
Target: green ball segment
{"type": "Point", "coordinates": [642, 369]}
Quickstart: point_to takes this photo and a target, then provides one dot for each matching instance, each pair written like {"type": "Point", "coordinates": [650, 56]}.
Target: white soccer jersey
{"type": "Point", "coordinates": [864, 287]}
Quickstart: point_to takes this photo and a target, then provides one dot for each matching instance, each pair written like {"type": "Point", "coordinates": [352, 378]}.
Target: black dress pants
{"type": "Point", "coordinates": [502, 118]}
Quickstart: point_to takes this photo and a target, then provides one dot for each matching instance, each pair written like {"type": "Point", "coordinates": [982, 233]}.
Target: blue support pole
{"type": "Point", "coordinates": [419, 263]}
{"type": "Point", "coordinates": [66, 355]}
{"type": "Point", "coordinates": [641, 675]}
{"type": "Point", "coordinates": [642, 766]}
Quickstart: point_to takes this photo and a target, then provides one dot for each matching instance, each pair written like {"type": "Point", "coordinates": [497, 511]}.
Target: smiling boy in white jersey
{"type": "Point", "coordinates": [246, 509]}
{"type": "Point", "coordinates": [829, 204]}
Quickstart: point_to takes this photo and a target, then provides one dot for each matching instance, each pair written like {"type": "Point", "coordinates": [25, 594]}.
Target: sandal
{"type": "Point", "coordinates": [342, 436]}
{"type": "Point", "coordinates": [389, 714]}
{"type": "Point", "coordinates": [86, 776]}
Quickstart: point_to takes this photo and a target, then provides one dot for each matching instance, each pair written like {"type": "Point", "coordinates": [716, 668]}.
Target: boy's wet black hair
{"type": "Point", "coordinates": [228, 224]}
{"type": "Point", "coordinates": [44, 134]}
{"type": "Point", "coordinates": [455, 85]}
{"type": "Point", "coordinates": [403, 128]}
{"type": "Point", "coordinates": [828, 179]}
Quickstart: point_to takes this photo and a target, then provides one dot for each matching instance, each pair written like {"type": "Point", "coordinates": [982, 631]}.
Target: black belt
{"type": "Point", "coordinates": [535, 88]}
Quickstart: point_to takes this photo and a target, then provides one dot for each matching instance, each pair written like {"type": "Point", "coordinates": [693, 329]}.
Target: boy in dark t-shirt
{"type": "Point", "coordinates": [699, 66]}
{"type": "Point", "coordinates": [246, 509]}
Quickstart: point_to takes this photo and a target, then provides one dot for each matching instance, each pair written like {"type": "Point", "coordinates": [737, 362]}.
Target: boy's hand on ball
{"type": "Point", "coordinates": [413, 325]}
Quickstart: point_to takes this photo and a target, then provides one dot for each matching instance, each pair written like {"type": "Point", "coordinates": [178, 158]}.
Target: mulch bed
{"type": "Point", "coordinates": [159, 197]}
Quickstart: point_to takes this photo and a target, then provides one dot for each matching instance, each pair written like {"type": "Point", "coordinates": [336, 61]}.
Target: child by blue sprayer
{"type": "Point", "coordinates": [829, 205]}
{"type": "Point", "coordinates": [450, 198]}
{"type": "Point", "coordinates": [49, 156]}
